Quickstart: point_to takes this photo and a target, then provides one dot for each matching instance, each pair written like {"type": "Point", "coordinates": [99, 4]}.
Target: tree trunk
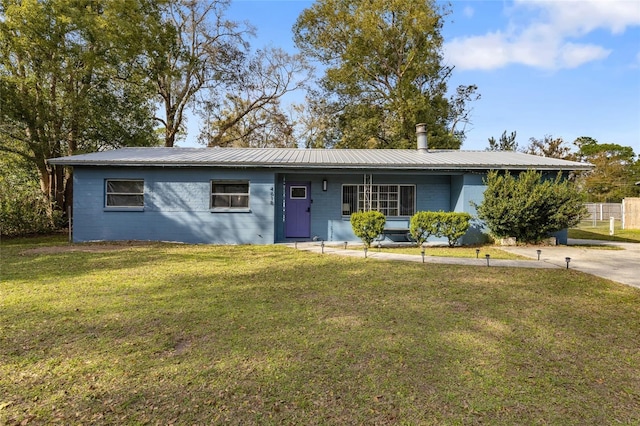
{"type": "Point", "coordinates": [68, 191]}
{"type": "Point", "coordinates": [169, 131]}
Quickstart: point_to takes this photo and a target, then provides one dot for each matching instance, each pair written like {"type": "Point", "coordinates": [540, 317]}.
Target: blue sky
{"type": "Point", "coordinates": [563, 68]}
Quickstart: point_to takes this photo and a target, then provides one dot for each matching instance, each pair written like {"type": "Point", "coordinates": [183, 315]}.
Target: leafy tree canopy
{"type": "Point", "coordinates": [384, 74]}
{"type": "Point", "coordinates": [550, 147]}
{"type": "Point", "coordinates": [617, 168]}
{"type": "Point", "coordinates": [70, 80]}
{"type": "Point", "coordinates": [505, 143]}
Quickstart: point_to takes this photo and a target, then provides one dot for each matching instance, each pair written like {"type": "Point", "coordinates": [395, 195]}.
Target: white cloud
{"type": "Point", "coordinates": [584, 16]}
{"type": "Point", "coordinates": [573, 55]}
{"type": "Point", "coordinates": [496, 50]}
{"type": "Point", "coordinates": [468, 12]}
{"type": "Point", "coordinates": [549, 38]}
{"type": "Point", "coordinates": [484, 52]}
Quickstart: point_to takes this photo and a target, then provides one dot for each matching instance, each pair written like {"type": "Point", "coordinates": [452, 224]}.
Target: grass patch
{"type": "Point", "coordinates": [443, 251]}
{"type": "Point", "coordinates": [162, 333]}
{"type": "Point", "coordinates": [601, 232]}
{"type": "Point", "coordinates": [598, 247]}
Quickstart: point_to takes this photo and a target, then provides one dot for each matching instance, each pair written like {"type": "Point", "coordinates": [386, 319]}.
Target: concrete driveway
{"type": "Point", "coordinates": [621, 264]}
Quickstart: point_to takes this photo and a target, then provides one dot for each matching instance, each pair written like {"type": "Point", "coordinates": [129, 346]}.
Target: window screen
{"type": "Point", "coordinates": [227, 195]}
{"type": "Point", "coordinates": [390, 200]}
{"type": "Point", "coordinates": [124, 193]}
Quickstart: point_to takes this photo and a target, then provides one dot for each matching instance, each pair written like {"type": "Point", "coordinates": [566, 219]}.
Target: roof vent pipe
{"type": "Point", "coordinates": [421, 134]}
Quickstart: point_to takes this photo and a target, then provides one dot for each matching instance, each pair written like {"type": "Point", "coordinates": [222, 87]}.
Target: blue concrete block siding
{"type": "Point", "coordinates": [328, 223]}
{"type": "Point", "coordinates": [177, 203]}
{"type": "Point", "coordinates": [176, 207]}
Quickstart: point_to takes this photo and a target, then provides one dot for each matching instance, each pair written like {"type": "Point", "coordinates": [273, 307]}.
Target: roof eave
{"type": "Point", "coordinates": [443, 167]}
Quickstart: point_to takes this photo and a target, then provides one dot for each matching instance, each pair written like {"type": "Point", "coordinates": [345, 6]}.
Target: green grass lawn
{"type": "Point", "coordinates": [181, 334]}
{"type": "Point", "coordinates": [601, 232]}
{"type": "Point", "coordinates": [443, 251]}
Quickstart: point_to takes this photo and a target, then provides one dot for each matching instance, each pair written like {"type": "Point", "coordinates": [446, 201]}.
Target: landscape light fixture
{"type": "Point", "coordinates": [379, 245]}
{"type": "Point", "coordinates": [295, 245]}
{"type": "Point", "coordinates": [539, 252]}
{"type": "Point", "coordinates": [365, 251]}
{"type": "Point", "coordinates": [345, 245]}
{"type": "Point", "coordinates": [325, 184]}
{"type": "Point", "coordinates": [422, 253]}
{"type": "Point", "coordinates": [487, 256]}
{"type": "Point", "coordinates": [477, 253]}
{"type": "Point", "coordinates": [567, 259]}
{"type": "Point", "coordinates": [322, 246]}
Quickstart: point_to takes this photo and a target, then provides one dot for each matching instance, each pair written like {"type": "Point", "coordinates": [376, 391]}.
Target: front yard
{"type": "Point", "coordinates": [587, 231]}
{"type": "Point", "coordinates": [178, 334]}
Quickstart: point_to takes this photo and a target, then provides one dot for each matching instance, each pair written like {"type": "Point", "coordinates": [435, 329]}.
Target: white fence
{"type": "Point", "coordinates": [626, 215]}
{"type": "Point", "coordinates": [604, 211]}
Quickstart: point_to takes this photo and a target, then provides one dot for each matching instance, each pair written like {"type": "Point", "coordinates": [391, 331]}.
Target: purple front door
{"type": "Point", "coordinates": [297, 217]}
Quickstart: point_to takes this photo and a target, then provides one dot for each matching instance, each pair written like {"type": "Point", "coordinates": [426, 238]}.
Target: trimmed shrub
{"type": "Point", "coordinates": [453, 225]}
{"type": "Point", "coordinates": [368, 225]}
{"type": "Point", "coordinates": [423, 225]}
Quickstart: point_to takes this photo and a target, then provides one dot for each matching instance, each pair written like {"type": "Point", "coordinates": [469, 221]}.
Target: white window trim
{"type": "Point", "coordinates": [292, 187]}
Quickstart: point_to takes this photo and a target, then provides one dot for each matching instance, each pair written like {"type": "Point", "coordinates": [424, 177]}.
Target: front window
{"type": "Point", "coordinates": [390, 200]}
{"type": "Point", "coordinates": [124, 193]}
{"type": "Point", "coordinates": [229, 195]}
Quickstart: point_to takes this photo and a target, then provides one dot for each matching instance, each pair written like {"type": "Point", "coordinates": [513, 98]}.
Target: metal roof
{"type": "Point", "coordinates": [293, 158]}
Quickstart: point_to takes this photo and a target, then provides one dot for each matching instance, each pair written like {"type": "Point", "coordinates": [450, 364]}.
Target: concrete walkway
{"type": "Point", "coordinates": [621, 264]}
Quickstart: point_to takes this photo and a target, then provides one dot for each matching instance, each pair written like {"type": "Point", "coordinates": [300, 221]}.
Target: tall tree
{"type": "Point", "coordinates": [202, 50]}
{"type": "Point", "coordinates": [207, 63]}
{"type": "Point", "coordinates": [250, 113]}
{"type": "Point", "coordinates": [505, 143]}
{"type": "Point", "coordinates": [68, 82]}
{"type": "Point", "coordinates": [550, 147]}
{"type": "Point", "coordinates": [615, 173]}
{"type": "Point", "coordinates": [384, 73]}
{"type": "Point", "coordinates": [318, 126]}
{"type": "Point", "coordinates": [266, 127]}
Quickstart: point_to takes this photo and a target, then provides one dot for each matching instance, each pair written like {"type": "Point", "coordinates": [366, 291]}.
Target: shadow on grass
{"type": "Point", "coordinates": [247, 335]}
{"type": "Point", "coordinates": [583, 234]}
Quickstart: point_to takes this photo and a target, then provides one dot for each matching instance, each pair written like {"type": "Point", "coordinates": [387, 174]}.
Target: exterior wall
{"type": "Point", "coordinates": [177, 204]}
{"type": "Point", "coordinates": [466, 190]}
{"type": "Point", "coordinates": [328, 223]}
{"type": "Point", "coordinates": [433, 193]}
{"type": "Point", "coordinates": [562, 237]}
{"type": "Point", "coordinates": [176, 207]}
